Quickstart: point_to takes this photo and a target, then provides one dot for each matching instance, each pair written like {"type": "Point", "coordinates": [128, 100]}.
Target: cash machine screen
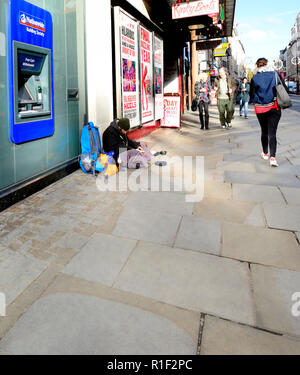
{"type": "Point", "coordinates": [30, 63]}
{"type": "Point", "coordinates": [32, 83]}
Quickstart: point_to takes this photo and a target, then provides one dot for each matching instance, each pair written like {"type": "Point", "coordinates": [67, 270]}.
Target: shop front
{"type": "Point", "coordinates": [42, 92]}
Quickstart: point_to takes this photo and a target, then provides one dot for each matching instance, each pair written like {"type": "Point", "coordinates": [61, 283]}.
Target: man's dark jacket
{"type": "Point", "coordinates": [113, 140]}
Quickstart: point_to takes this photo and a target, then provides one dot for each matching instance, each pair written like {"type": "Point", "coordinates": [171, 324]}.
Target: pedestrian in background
{"type": "Point", "coordinates": [202, 91]}
{"type": "Point", "coordinates": [225, 88]}
{"type": "Point", "coordinates": [244, 96]}
{"type": "Point", "coordinates": [263, 93]}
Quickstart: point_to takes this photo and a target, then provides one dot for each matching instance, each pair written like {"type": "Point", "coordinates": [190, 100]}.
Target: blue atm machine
{"type": "Point", "coordinates": [30, 62]}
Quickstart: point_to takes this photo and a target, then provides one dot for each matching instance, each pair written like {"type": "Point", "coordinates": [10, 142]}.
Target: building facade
{"type": "Point", "coordinates": [66, 62]}
{"type": "Point", "coordinates": [291, 54]}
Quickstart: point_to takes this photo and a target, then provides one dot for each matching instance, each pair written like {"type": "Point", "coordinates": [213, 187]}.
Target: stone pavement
{"type": "Point", "coordinates": [91, 272]}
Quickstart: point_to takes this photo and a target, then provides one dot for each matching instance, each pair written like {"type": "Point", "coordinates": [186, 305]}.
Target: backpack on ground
{"type": "Point", "coordinates": [92, 158]}
{"type": "Point", "coordinates": [90, 149]}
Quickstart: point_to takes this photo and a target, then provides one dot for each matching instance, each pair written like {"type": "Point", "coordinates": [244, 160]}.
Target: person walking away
{"type": "Point", "coordinates": [225, 88]}
{"type": "Point", "coordinates": [263, 94]}
{"type": "Point", "coordinates": [244, 94]}
{"type": "Point", "coordinates": [202, 92]}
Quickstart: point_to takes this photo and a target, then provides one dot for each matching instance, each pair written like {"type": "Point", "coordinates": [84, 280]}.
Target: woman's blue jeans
{"type": "Point", "coordinates": [243, 104]}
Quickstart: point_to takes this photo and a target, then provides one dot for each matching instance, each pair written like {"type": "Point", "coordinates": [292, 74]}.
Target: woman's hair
{"type": "Point", "coordinates": [261, 62]}
{"type": "Point", "coordinates": [245, 78]}
{"type": "Point", "coordinates": [203, 76]}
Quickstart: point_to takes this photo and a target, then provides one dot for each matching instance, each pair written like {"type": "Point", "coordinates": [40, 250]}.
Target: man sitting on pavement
{"type": "Point", "coordinates": [115, 139]}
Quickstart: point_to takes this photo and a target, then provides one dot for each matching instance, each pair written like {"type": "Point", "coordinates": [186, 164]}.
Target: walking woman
{"type": "Point", "coordinates": [202, 92]}
{"type": "Point", "coordinates": [263, 94]}
{"type": "Point", "coordinates": [244, 95]}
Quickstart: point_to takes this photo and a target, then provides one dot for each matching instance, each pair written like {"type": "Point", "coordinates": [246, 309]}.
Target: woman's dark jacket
{"type": "Point", "coordinates": [263, 87]}
{"type": "Point", "coordinates": [113, 140]}
{"type": "Point", "coordinates": [244, 95]}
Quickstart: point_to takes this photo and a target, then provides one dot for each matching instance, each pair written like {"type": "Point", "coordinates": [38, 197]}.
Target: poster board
{"type": "Point", "coordinates": [127, 67]}
{"type": "Point", "coordinates": [171, 112]}
{"type": "Point", "coordinates": [158, 53]}
{"type": "Point", "coordinates": [146, 58]}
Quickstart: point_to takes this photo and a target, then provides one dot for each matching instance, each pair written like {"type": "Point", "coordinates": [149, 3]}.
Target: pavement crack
{"type": "Point", "coordinates": [200, 335]}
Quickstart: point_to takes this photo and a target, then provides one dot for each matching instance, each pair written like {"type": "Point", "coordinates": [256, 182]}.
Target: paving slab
{"type": "Point", "coordinates": [285, 168]}
{"type": "Point", "coordinates": [223, 210]}
{"type": "Point", "coordinates": [281, 216]}
{"type": "Point", "coordinates": [273, 291]}
{"type": "Point", "coordinates": [17, 272]}
{"type": "Point", "coordinates": [74, 324]}
{"type": "Point", "coordinates": [101, 259]}
{"type": "Point", "coordinates": [261, 179]}
{"type": "Point", "coordinates": [190, 280]}
{"type": "Point", "coordinates": [200, 235]}
{"type": "Point", "coordinates": [217, 190]}
{"type": "Point", "coordinates": [298, 236]}
{"type": "Point", "coordinates": [256, 217]}
{"type": "Point", "coordinates": [236, 166]}
{"type": "Point", "coordinates": [164, 201]}
{"type": "Point", "coordinates": [259, 245]}
{"type": "Point", "coordinates": [295, 161]}
{"type": "Point", "coordinates": [72, 240]}
{"type": "Point", "coordinates": [292, 195]}
{"type": "Point", "coordinates": [257, 193]}
{"type": "Point", "coordinates": [150, 225]}
{"type": "Point", "coordinates": [221, 337]}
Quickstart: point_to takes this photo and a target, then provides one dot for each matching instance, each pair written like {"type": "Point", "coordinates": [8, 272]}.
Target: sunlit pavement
{"type": "Point", "coordinates": [90, 272]}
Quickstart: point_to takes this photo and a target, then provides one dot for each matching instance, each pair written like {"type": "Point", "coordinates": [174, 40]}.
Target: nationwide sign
{"type": "Point", "coordinates": [194, 8]}
{"type": "Point", "coordinates": [31, 21]}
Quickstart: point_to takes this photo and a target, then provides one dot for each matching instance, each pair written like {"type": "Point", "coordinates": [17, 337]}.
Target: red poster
{"type": "Point", "coordinates": [146, 75]}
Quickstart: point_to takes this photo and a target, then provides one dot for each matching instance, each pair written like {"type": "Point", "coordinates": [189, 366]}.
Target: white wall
{"type": "Point", "coordinates": [99, 62]}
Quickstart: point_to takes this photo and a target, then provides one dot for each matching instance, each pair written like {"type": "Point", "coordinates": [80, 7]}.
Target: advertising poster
{"type": "Point", "coordinates": [146, 75]}
{"type": "Point", "coordinates": [171, 112]}
{"type": "Point", "coordinates": [158, 78]}
{"type": "Point", "coordinates": [130, 71]}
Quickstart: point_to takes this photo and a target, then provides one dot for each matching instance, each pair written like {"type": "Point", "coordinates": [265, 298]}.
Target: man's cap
{"type": "Point", "coordinates": [124, 123]}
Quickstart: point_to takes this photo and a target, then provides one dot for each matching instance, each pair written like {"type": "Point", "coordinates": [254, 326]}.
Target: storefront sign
{"type": "Point", "coordinates": [33, 24]}
{"type": "Point", "coordinates": [158, 78]}
{"type": "Point", "coordinates": [130, 69]}
{"type": "Point", "coordinates": [171, 112]}
{"type": "Point", "coordinates": [195, 8]}
{"type": "Point", "coordinates": [221, 50]}
{"type": "Point", "coordinates": [146, 51]}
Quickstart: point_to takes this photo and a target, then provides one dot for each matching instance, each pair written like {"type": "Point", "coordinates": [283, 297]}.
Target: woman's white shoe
{"type": "Point", "coordinates": [273, 162]}
{"type": "Point", "coordinates": [264, 156]}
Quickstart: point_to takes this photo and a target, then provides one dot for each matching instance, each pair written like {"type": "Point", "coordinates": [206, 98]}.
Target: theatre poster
{"type": "Point", "coordinates": [146, 53]}
{"type": "Point", "coordinates": [158, 77]}
{"type": "Point", "coordinates": [129, 68]}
